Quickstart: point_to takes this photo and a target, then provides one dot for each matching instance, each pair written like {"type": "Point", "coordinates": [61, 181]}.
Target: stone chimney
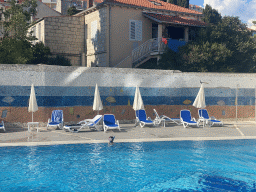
{"type": "Point", "coordinates": [90, 3]}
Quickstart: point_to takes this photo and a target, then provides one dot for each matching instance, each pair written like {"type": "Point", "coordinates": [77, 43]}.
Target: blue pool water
{"type": "Point", "coordinates": [151, 166]}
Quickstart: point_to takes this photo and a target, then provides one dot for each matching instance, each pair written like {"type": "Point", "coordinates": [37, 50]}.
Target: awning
{"type": "Point", "coordinates": [159, 18]}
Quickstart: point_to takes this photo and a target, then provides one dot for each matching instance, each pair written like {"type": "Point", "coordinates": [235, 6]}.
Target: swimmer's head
{"type": "Point", "coordinates": [111, 139]}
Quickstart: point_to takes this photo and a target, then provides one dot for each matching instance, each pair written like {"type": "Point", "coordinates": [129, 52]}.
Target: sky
{"type": "Point", "coordinates": [244, 9]}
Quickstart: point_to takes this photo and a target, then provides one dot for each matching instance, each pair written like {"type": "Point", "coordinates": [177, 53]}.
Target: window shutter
{"type": "Point", "coordinates": [132, 30]}
{"type": "Point", "coordinates": [138, 30]}
{"type": "Point", "coordinates": [135, 30]}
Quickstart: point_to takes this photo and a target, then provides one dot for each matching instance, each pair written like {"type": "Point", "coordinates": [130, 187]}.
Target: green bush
{"type": "Point", "coordinates": [59, 60]}
{"type": "Point", "coordinates": [15, 51]}
{"type": "Point", "coordinates": [40, 54]}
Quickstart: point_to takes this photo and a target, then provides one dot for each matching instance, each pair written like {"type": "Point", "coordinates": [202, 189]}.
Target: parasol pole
{"type": "Point", "coordinates": [236, 100]}
{"type": "Point", "coordinates": [255, 103]}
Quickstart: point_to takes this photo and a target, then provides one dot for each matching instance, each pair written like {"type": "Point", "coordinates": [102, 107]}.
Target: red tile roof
{"type": "Point", "coordinates": [173, 19]}
{"type": "Point", "coordinates": [152, 4]}
{"type": "Point", "coordinates": [95, 1]}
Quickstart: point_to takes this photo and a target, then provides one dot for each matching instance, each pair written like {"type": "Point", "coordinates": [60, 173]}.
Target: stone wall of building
{"type": "Point", "coordinates": [65, 35]}
{"type": "Point", "coordinates": [38, 31]}
{"type": "Point", "coordinates": [96, 25]}
{"type": "Point", "coordinates": [97, 60]}
{"type": "Point", "coordinates": [63, 5]}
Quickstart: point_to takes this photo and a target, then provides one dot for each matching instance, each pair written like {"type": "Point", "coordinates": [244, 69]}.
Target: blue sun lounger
{"type": "Point", "coordinates": [110, 122]}
{"type": "Point", "coordinates": [141, 118]}
{"type": "Point", "coordinates": [56, 120]}
{"type": "Point", "coordinates": [203, 115]}
{"type": "Point", "coordinates": [187, 120]}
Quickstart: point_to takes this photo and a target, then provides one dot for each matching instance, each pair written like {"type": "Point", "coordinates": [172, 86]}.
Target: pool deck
{"type": "Point", "coordinates": [128, 133]}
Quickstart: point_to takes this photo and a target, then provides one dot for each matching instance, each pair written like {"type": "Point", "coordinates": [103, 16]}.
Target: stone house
{"type": "Point", "coordinates": [62, 6]}
{"type": "Point", "coordinates": [42, 11]}
{"type": "Point", "coordinates": [118, 33]}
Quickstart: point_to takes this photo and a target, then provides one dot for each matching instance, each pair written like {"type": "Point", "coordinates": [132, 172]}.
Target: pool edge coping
{"type": "Point", "coordinates": [124, 141]}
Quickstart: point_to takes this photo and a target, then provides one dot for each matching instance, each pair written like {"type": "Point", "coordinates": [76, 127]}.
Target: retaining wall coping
{"type": "Point", "coordinates": [68, 69]}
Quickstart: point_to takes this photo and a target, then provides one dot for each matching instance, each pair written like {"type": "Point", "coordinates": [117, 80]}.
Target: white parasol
{"type": "Point", "coordinates": [97, 104]}
{"type": "Point", "coordinates": [137, 103]}
{"type": "Point", "coordinates": [200, 98]}
{"type": "Point", "coordinates": [32, 107]}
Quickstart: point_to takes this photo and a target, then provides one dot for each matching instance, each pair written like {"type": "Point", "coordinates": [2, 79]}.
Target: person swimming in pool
{"type": "Point", "coordinates": [111, 139]}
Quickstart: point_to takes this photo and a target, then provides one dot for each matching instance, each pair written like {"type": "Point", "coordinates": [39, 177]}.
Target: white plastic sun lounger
{"type": "Point", "coordinates": [2, 125]}
{"type": "Point", "coordinates": [92, 124]}
{"type": "Point", "coordinates": [166, 119]}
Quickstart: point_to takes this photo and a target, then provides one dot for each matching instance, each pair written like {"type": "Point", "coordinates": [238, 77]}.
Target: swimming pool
{"type": "Point", "coordinates": [150, 166]}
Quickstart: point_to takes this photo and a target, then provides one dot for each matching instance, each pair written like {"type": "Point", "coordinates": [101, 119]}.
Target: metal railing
{"type": "Point", "coordinates": [148, 47]}
{"type": "Point", "coordinates": [144, 50]}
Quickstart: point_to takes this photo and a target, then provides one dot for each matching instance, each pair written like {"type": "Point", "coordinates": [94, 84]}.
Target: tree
{"type": "Point", "coordinates": [223, 47]}
{"type": "Point", "coordinates": [205, 57]}
{"type": "Point", "coordinates": [15, 51]}
{"type": "Point", "coordinates": [59, 60]}
{"type": "Point", "coordinates": [40, 54]}
{"type": "Point", "coordinates": [211, 15]}
{"type": "Point", "coordinates": [72, 10]}
{"type": "Point", "coordinates": [172, 2]}
{"type": "Point", "coordinates": [16, 46]}
{"type": "Point", "coordinates": [17, 19]}
{"type": "Point", "coordinates": [169, 60]}
{"type": "Point", "coordinates": [183, 3]}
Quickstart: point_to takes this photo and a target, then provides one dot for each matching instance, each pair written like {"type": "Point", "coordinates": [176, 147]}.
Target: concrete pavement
{"type": "Point", "coordinates": [129, 133]}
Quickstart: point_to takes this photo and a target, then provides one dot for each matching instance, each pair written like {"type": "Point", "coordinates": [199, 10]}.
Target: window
{"type": "Point", "coordinates": [135, 30]}
{"type": "Point", "coordinates": [94, 30]}
{"type": "Point", "coordinates": [34, 31]}
{"type": "Point", "coordinates": [39, 32]}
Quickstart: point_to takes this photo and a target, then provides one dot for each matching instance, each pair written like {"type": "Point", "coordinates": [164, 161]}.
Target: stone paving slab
{"type": "Point", "coordinates": [128, 133]}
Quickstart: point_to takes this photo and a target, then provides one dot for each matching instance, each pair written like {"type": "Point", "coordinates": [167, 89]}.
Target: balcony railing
{"type": "Point", "coordinates": [148, 47]}
{"type": "Point", "coordinates": [151, 46]}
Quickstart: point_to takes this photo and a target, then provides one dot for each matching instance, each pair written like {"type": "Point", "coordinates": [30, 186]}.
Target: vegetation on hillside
{"type": "Point", "coordinates": [224, 45]}
{"type": "Point", "coordinates": [182, 3]}
{"type": "Point", "coordinates": [72, 10]}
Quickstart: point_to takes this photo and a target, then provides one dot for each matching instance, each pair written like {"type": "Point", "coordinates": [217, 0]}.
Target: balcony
{"type": "Point", "coordinates": [154, 47]}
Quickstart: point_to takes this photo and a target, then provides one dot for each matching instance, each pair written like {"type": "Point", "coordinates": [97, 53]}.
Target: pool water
{"type": "Point", "coordinates": [150, 166]}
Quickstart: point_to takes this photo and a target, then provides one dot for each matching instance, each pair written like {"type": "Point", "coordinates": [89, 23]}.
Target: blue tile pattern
{"type": "Point", "coordinates": [56, 96]}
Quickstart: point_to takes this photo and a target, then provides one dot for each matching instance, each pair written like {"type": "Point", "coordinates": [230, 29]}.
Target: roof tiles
{"type": "Point", "coordinates": [154, 4]}
{"type": "Point", "coordinates": [174, 19]}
